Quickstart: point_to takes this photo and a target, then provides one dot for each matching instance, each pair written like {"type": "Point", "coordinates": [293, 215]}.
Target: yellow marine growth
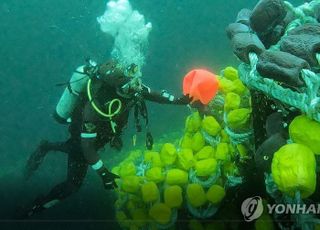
{"type": "Point", "coordinates": [215, 194]}
{"type": "Point", "coordinates": [193, 123]}
{"type": "Point", "coordinates": [205, 153]}
{"type": "Point", "coordinates": [160, 213]}
{"type": "Point", "coordinates": [127, 169]}
{"type": "Point", "coordinates": [150, 192]}
{"type": "Point", "coordinates": [190, 175]}
{"type": "Point", "coordinates": [196, 195]}
{"type": "Point", "coordinates": [197, 141]}
{"type": "Point", "coordinates": [130, 184]}
{"type": "Point", "coordinates": [206, 167]}
{"type": "Point", "coordinates": [176, 177]}
{"type": "Point", "coordinates": [222, 152]}
{"type": "Point", "coordinates": [232, 101]}
{"type": "Point", "coordinates": [294, 169]}
{"type": "Point", "coordinates": [155, 174]}
{"type": "Point", "coordinates": [305, 131]}
{"type": "Point", "coordinates": [139, 218]}
{"type": "Point", "coordinates": [230, 73]}
{"type": "Point", "coordinates": [168, 154]}
{"type": "Point", "coordinates": [186, 159]}
{"type": "Point", "coordinates": [186, 141]}
{"type": "Point", "coordinates": [239, 118]}
{"type": "Point", "coordinates": [210, 125]}
{"type": "Point", "coordinates": [226, 86]}
{"type": "Point", "coordinates": [173, 196]}
{"type": "Point", "coordinates": [152, 158]}
{"type": "Point", "coordinates": [239, 87]}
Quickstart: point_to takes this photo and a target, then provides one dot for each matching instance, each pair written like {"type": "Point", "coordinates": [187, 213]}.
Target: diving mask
{"type": "Point", "coordinates": [132, 70]}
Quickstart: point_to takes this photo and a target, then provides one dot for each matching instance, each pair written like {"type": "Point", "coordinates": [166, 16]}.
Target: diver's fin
{"type": "Point", "coordinates": [41, 203]}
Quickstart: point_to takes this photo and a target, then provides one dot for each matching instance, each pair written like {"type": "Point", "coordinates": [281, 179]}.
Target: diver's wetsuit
{"type": "Point", "coordinates": [90, 131]}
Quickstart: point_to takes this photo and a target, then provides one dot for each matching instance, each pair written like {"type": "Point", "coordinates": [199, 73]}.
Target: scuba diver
{"type": "Point", "coordinates": [96, 105]}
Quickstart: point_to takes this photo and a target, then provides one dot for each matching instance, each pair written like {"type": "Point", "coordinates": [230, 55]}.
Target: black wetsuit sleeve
{"type": "Point", "coordinates": [163, 97]}
{"type": "Point", "coordinates": [89, 135]}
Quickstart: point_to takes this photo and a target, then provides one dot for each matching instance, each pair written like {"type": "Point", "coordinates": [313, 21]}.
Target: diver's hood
{"type": "Point", "coordinates": [112, 74]}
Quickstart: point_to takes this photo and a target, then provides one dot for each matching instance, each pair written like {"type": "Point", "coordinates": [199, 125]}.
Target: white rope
{"type": "Point", "coordinates": [318, 57]}
{"type": "Point", "coordinates": [306, 102]}
{"type": "Point", "coordinates": [298, 12]}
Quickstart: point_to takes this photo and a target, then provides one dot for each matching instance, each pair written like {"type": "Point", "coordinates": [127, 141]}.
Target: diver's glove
{"type": "Point", "coordinates": [108, 178]}
{"type": "Point", "coordinates": [183, 100]}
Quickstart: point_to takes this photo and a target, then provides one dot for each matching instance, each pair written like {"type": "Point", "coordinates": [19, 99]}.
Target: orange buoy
{"type": "Point", "coordinates": [201, 85]}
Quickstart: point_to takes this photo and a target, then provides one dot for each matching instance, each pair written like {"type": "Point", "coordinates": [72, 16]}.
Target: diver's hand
{"type": "Point", "coordinates": [108, 178]}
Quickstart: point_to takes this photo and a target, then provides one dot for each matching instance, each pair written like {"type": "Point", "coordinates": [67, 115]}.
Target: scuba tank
{"type": "Point", "coordinates": [70, 97]}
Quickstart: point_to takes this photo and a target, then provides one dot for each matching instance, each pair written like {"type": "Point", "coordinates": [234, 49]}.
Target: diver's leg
{"type": "Point", "coordinates": [36, 158]}
{"type": "Point", "coordinates": [77, 169]}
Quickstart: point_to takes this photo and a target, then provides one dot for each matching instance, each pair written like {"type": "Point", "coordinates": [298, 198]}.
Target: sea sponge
{"type": "Point", "coordinates": [139, 217]}
{"type": "Point", "coordinates": [173, 196]}
{"type": "Point", "coordinates": [294, 169]}
{"type": "Point", "coordinates": [160, 213]}
{"type": "Point", "coordinates": [168, 154]}
{"type": "Point", "coordinates": [232, 101]}
{"type": "Point", "coordinates": [239, 87]}
{"type": "Point", "coordinates": [130, 184]}
{"type": "Point", "coordinates": [186, 141]}
{"type": "Point", "coordinates": [186, 159]}
{"type": "Point", "coordinates": [205, 153]}
{"type": "Point", "coordinates": [226, 86]}
{"type": "Point", "coordinates": [176, 177]}
{"type": "Point", "coordinates": [230, 73]}
{"type": "Point", "coordinates": [155, 174]}
{"type": "Point", "coordinates": [239, 118]}
{"type": "Point", "coordinates": [152, 158]}
{"type": "Point", "coordinates": [122, 219]}
{"type": "Point", "coordinates": [196, 195]}
{"type": "Point", "coordinates": [222, 152]}
{"type": "Point", "coordinates": [224, 136]}
{"type": "Point", "coordinates": [210, 125]}
{"type": "Point", "coordinates": [197, 141]}
{"type": "Point", "coordinates": [127, 169]}
{"type": "Point", "coordinates": [206, 167]}
{"type": "Point", "coordinates": [193, 122]}
{"type": "Point", "coordinates": [215, 194]}
{"type": "Point", "coordinates": [305, 131]}
{"type": "Point", "coordinates": [150, 192]}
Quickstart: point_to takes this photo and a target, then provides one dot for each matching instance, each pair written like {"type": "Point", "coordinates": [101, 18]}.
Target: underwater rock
{"type": "Point", "coordinates": [235, 28]}
{"type": "Point", "coordinates": [306, 29]}
{"type": "Point", "coordinates": [266, 15]}
{"type": "Point", "coordinates": [304, 46]}
{"type": "Point", "coordinates": [282, 67]}
{"type": "Point", "coordinates": [244, 43]}
{"type": "Point", "coordinates": [264, 154]}
{"type": "Point", "coordinates": [244, 16]}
